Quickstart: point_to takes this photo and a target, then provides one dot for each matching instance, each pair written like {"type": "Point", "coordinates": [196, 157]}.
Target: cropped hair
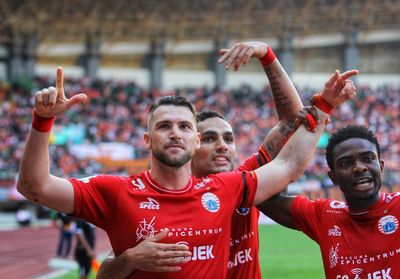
{"type": "Point", "coordinates": [349, 132]}
{"type": "Point", "coordinates": [171, 100]}
{"type": "Point", "coordinates": [206, 114]}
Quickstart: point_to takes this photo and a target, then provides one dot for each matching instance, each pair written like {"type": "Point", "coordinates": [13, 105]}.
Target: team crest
{"type": "Point", "coordinates": [210, 202]}
{"type": "Point", "coordinates": [242, 211]}
{"type": "Point", "coordinates": [388, 224]}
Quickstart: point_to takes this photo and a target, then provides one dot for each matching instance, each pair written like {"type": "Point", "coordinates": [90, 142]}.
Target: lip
{"type": "Point", "coordinates": [221, 159]}
{"type": "Point", "coordinates": [174, 146]}
{"type": "Point", "coordinates": [363, 184]}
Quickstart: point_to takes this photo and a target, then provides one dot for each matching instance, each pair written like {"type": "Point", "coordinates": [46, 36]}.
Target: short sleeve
{"type": "Point", "coordinates": [306, 216]}
{"type": "Point", "coordinates": [94, 198]}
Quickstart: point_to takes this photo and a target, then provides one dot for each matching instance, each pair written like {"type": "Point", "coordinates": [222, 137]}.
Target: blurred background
{"type": "Point", "coordinates": [124, 54]}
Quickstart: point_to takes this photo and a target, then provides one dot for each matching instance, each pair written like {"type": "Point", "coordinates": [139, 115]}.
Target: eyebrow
{"type": "Point", "coordinates": [209, 133]}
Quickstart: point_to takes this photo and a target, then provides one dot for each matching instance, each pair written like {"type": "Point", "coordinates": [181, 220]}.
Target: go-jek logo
{"type": "Point", "coordinates": [357, 272]}
{"type": "Point", "coordinates": [241, 257]}
{"type": "Point", "coordinates": [200, 253]}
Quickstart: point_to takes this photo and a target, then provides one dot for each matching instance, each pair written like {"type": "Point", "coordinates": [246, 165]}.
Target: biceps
{"type": "Point", "coordinates": [58, 194]}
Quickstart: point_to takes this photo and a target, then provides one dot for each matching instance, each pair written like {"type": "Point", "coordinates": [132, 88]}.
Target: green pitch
{"type": "Point", "coordinates": [286, 253]}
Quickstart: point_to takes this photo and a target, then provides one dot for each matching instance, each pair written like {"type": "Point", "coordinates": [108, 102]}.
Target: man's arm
{"type": "Point", "coordinates": [34, 180]}
{"type": "Point", "coordinates": [292, 160]}
{"type": "Point", "coordinates": [149, 255]}
{"type": "Point", "coordinates": [336, 90]}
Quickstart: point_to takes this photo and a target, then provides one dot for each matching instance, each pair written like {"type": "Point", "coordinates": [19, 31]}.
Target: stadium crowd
{"type": "Point", "coordinates": [117, 111]}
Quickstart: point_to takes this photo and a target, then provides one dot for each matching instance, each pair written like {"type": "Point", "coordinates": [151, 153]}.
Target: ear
{"type": "Point", "coordinates": [331, 175]}
{"type": "Point", "coordinates": [382, 164]}
{"type": "Point", "coordinates": [147, 141]}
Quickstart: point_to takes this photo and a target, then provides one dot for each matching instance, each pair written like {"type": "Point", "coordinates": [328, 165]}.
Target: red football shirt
{"type": "Point", "coordinates": [132, 208]}
{"type": "Point", "coordinates": [244, 247]}
{"type": "Point", "coordinates": [353, 244]}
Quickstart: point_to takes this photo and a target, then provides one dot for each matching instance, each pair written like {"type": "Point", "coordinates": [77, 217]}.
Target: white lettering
{"type": "Point", "coordinates": [203, 253]}
{"type": "Point", "coordinates": [380, 274]}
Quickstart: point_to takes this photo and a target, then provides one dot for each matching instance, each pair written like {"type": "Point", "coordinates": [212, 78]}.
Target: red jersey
{"type": "Point", "coordinates": [132, 208]}
{"type": "Point", "coordinates": [243, 255]}
{"type": "Point", "coordinates": [353, 245]}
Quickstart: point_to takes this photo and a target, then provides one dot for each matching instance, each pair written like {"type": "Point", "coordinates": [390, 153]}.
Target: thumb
{"type": "Point", "coordinates": [156, 238]}
{"type": "Point", "coordinates": [78, 98]}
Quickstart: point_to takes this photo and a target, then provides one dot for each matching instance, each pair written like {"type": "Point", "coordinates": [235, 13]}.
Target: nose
{"type": "Point", "coordinates": [359, 166]}
{"type": "Point", "coordinates": [221, 145]}
{"type": "Point", "coordinates": [175, 132]}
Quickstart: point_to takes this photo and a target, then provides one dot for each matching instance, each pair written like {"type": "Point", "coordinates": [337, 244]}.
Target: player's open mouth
{"type": "Point", "coordinates": [363, 184]}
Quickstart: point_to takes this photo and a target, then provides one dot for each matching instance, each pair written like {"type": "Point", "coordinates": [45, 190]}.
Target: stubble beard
{"type": "Point", "coordinates": [175, 162]}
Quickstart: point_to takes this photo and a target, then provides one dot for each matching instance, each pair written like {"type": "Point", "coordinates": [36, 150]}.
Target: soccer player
{"type": "Point", "coordinates": [359, 238]}
{"type": "Point", "coordinates": [167, 196]}
{"type": "Point", "coordinates": [217, 153]}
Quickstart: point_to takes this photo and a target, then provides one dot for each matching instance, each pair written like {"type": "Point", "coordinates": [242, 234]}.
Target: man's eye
{"type": "Point", "coordinates": [208, 139]}
{"type": "Point", "coordinates": [229, 140]}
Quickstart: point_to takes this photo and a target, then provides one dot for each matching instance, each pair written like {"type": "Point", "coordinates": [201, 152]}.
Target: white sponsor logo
{"type": "Point", "coordinates": [190, 232]}
{"type": "Point", "coordinates": [241, 257]}
{"type": "Point", "coordinates": [389, 197]}
{"type": "Point", "coordinates": [145, 229]}
{"type": "Point", "coordinates": [333, 255]}
{"type": "Point", "coordinates": [200, 253]}
{"type": "Point", "coordinates": [335, 231]}
{"type": "Point", "coordinates": [150, 204]}
{"type": "Point", "coordinates": [388, 224]}
{"type": "Point", "coordinates": [138, 184]}
{"type": "Point", "coordinates": [210, 202]}
{"type": "Point", "coordinates": [202, 183]}
{"type": "Point", "coordinates": [238, 240]}
{"type": "Point", "coordinates": [337, 204]}
{"type": "Point", "coordinates": [379, 274]}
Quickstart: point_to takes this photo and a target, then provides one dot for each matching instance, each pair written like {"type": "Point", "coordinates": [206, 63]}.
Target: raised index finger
{"type": "Point", "coordinates": [60, 82]}
{"type": "Point", "coordinates": [349, 74]}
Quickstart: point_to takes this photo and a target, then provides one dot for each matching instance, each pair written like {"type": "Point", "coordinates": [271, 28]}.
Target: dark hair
{"type": "Point", "coordinates": [346, 133]}
{"type": "Point", "coordinates": [206, 114]}
{"type": "Point", "coordinates": [174, 101]}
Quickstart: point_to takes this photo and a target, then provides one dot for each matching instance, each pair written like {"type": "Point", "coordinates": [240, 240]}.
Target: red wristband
{"type": "Point", "coordinates": [311, 121]}
{"type": "Point", "coordinates": [268, 58]}
{"type": "Point", "coordinates": [323, 105]}
{"type": "Point", "coordinates": [42, 124]}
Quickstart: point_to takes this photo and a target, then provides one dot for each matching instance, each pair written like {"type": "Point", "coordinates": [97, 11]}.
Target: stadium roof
{"type": "Point", "coordinates": [127, 20]}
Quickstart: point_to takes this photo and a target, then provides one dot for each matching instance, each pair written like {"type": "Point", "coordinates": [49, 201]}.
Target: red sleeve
{"type": "Point", "coordinates": [306, 216]}
{"type": "Point", "coordinates": [241, 187]}
{"type": "Point", "coordinates": [256, 160]}
{"type": "Point", "coordinates": [94, 197]}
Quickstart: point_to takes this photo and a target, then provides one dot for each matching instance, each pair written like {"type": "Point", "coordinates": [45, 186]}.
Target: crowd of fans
{"type": "Point", "coordinates": [117, 111]}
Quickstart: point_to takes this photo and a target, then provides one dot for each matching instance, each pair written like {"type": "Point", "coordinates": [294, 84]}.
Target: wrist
{"type": "Point", "coordinates": [42, 124]}
{"type": "Point", "coordinates": [268, 58]}
{"type": "Point", "coordinates": [319, 102]}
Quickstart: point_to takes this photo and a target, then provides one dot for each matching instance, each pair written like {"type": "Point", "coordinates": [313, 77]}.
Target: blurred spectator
{"type": "Point", "coordinates": [117, 113]}
{"type": "Point", "coordinates": [84, 251]}
{"type": "Point", "coordinates": [67, 230]}
{"type": "Point", "coordinates": [23, 217]}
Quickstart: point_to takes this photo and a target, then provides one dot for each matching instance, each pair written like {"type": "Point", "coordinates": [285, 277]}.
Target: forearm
{"type": "Point", "coordinates": [34, 170]}
{"type": "Point", "coordinates": [290, 163]}
{"type": "Point", "coordinates": [286, 97]}
{"type": "Point", "coordinates": [117, 267]}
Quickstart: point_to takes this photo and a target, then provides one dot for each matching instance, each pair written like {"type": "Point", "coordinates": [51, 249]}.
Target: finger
{"type": "Point", "coordinates": [45, 97]}
{"type": "Point", "coordinates": [222, 51]}
{"type": "Point", "coordinates": [332, 79]}
{"type": "Point", "coordinates": [52, 96]}
{"type": "Point", "coordinates": [38, 98]}
{"type": "Point", "coordinates": [226, 55]}
{"type": "Point", "coordinates": [241, 57]}
{"type": "Point", "coordinates": [60, 82]}
{"type": "Point", "coordinates": [174, 261]}
{"type": "Point", "coordinates": [160, 236]}
{"type": "Point", "coordinates": [172, 247]}
{"type": "Point", "coordinates": [232, 57]}
{"type": "Point", "coordinates": [176, 254]}
{"type": "Point", "coordinates": [349, 74]}
{"type": "Point", "coordinates": [166, 269]}
{"type": "Point", "coordinates": [79, 98]}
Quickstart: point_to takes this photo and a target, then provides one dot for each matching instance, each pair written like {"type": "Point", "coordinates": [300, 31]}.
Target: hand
{"type": "Point", "coordinates": [241, 53]}
{"type": "Point", "coordinates": [339, 88]}
{"type": "Point", "coordinates": [303, 118]}
{"type": "Point", "coordinates": [51, 101]}
{"type": "Point", "coordinates": [152, 256]}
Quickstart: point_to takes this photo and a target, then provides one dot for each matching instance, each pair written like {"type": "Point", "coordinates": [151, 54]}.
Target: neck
{"type": "Point", "coordinates": [170, 178]}
{"type": "Point", "coordinates": [362, 205]}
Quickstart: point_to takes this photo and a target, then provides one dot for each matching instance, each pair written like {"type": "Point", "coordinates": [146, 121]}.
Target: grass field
{"type": "Point", "coordinates": [284, 253]}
